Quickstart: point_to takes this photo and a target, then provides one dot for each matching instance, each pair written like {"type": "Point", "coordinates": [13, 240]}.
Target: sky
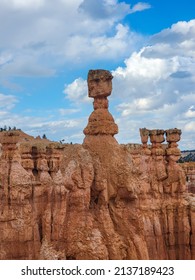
{"type": "Point", "coordinates": [47, 48]}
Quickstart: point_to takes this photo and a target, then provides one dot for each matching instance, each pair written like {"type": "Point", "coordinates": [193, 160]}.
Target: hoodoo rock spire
{"type": "Point", "coordinates": [101, 121]}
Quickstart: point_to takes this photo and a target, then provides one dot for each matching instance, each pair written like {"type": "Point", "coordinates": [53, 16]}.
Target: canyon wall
{"type": "Point", "coordinates": [98, 200]}
{"type": "Point", "coordinates": [189, 169]}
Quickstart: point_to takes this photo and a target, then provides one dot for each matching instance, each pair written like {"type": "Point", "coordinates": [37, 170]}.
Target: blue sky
{"type": "Point", "coordinates": [47, 48]}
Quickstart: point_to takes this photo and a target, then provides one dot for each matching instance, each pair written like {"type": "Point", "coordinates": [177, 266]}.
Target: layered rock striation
{"type": "Point", "coordinates": [100, 200]}
{"type": "Point", "coordinates": [189, 170]}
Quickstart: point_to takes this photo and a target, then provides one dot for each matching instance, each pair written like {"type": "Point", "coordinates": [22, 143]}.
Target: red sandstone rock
{"type": "Point", "coordinates": [101, 121]}
{"type": "Point", "coordinates": [99, 83]}
{"type": "Point", "coordinates": [189, 169]}
{"type": "Point", "coordinates": [99, 200]}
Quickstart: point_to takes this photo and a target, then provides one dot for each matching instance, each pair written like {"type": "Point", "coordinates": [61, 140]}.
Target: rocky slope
{"type": "Point", "coordinates": [99, 200]}
{"type": "Point", "coordinates": [187, 156]}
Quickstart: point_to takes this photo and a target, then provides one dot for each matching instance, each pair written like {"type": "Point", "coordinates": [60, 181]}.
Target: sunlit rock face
{"type": "Point", "coordinates": [99, 200]}
{"type": "Point", "coordinates": [189, 170]}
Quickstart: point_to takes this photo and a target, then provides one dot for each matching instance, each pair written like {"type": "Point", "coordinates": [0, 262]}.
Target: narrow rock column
{"type": "Point", "coordinates": [101, 121]}
{"type": "Point", "coordinates": [176, 177]}
{"type": "Point", "coordinates": [144, 134]}
{"type": "Point", "coordinates": [172, 152]}
{"type": "Point", "coordinates": [157, 138]}
{"type": "Point", "coordinates": [173, 136]}
{"type": "Point", "coordinates": [158, 153]}
{"type": "Point", "coordinates": [101, 128]}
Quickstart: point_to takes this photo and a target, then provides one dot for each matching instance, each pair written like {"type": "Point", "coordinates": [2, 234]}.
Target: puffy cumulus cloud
{"type": "Point", "coordinates": [77, 91]}
{"type": "Point", "coordinates": [174, 41]}
{"type": "Point", "coordinates": [155, 88]}
{"type": "Point", "coordinates": [101, 48]}
{"type": "Point", "coordinates": [46, 35]}
{"type": "Point", "coordinates": [160, 72]}
{"type": "Point", "coordinates": [157, 84]}
{"type": "Point", "coordinates": [139, 106]}
{"type": "Point", "coordinates": [146, 80]}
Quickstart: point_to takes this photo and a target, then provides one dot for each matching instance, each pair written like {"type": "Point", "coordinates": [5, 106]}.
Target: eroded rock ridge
{"type": "Point", "coordinates": [99, 200]}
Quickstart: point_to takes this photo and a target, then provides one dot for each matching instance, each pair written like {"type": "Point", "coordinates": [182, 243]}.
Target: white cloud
{"type": "Point", "coordinates": [46, 36]}
{"type": "Point", "coordinates": [139, 66]}
{"type": "Point", "coordinates": [7, 101]}
{"type": "Point", "coordinates": [26, 66]}
{"type": "Point", "coordinates": [190, 127]}
{"type": "Point", "coordinates": [157, 68]}
{"type": "Point", "coordinates": [145, 78]}
{"type": "Point", "coordinates": [191, 112]}
{"type": "Point", "coordinates": [55, 129]}
{"type": "Point", "coordinates": [175, 41]}
{"type": "Point", "coordinates": [77, 91]}
{"type": "Point", "coordinates": [3, 114]}
{"type": "Point", "coordinates": [156, 87]}
{"type": "Point", "coordinates": [102, 47]}
{"type": "Point", "coordinates": [139, 106]}
{"type": "Point", "coordinates": [157, 84]}
{"type": "Point", "coordinates": [23, 4]}
{"type": "Point", "coordinates": [106, 8]}
{"type": "Point", "coordinates": [141, 6]}
{"type": "Point", "coordinates": [64, 112]}
{"type": "Point", "coordinates": [110, 8]}
{"type": "Point", "coordinates": [54, 124]}
{"type": "Point", "coordinates": [5, 58]}
{"type": "Point", "coordinates": [184, 27]}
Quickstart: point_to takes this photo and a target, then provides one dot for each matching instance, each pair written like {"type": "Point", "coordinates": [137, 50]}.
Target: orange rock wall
{"type": "Point", "coordinates": [98, 200]}
{"type": "Point", "coordinates": [189, 169]}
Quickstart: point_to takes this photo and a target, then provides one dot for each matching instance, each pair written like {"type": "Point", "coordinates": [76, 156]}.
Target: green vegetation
{"type": "Point", "coordinates": [5, 128]}
{"type": "Point", "coordinates": [189, 158]}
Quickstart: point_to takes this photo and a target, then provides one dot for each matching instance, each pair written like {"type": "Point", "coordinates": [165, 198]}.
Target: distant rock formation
{"type": "Point", "coordinates": [189, 169]}
{"type": "Point", "coordinates": [187, 156]}
{"type": "Point", "coordinates": [100, 200]}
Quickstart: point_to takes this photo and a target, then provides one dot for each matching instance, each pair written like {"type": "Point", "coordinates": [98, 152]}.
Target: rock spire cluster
{"type": "Point", "coordinates": [99, 200]}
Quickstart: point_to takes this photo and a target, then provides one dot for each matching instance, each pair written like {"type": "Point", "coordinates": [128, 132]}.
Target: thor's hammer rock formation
{"type": "Point", "coordinates": [100, 200]}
